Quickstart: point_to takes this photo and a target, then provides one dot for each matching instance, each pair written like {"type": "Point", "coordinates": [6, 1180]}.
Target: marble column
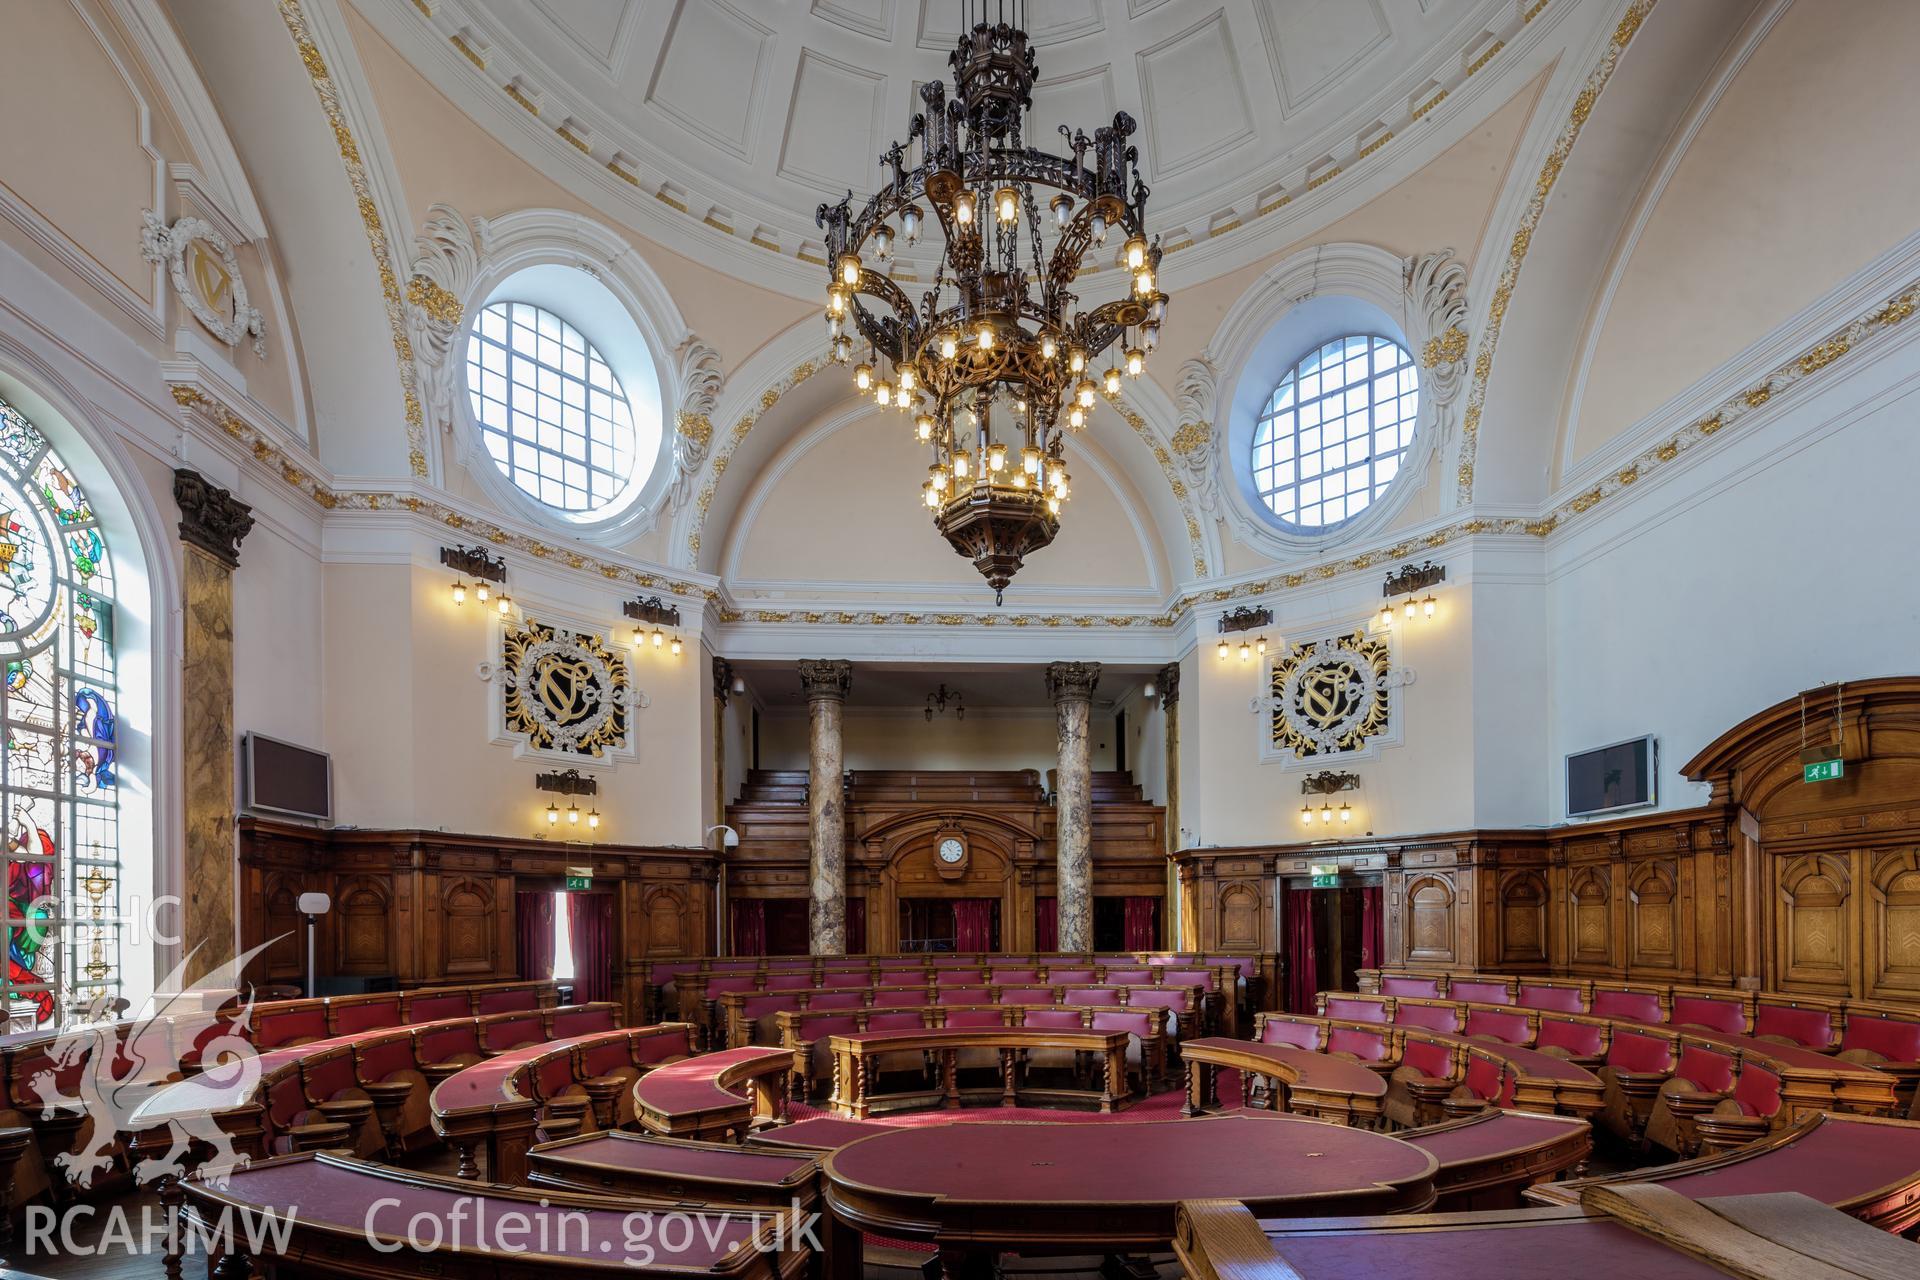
{"type": "Point", "coordinates": [212, 524]}
{"type": "Point", "coordinates": [1070, 685]}
{"type": "Point", "coordinates": [1169, 679]}
{"type": "Point", "coordinates": [826, 682]}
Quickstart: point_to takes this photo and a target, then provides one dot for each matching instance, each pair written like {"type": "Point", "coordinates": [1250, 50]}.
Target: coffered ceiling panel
{"type": "Point", "coordinates": [742, 114]}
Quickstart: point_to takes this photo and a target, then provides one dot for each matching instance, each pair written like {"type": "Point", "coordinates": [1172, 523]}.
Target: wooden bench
{"type": "Point", "coordinates": [1301, 1081]}
{"type": "Point", "coordinates": [698, 1099]}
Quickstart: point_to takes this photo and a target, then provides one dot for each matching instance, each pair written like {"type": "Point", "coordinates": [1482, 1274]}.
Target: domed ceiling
{"type": "Point", "coordinates": [744, 115]}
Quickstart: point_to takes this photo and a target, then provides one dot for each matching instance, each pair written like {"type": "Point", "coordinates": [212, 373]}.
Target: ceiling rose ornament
{"type": "Point", "coordinates": [998, 360]}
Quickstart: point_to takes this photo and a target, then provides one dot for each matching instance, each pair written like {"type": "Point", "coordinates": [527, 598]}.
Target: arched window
{"type": "Point", "coordinates": [60, 704]}
{"type": "Point", "coordinates": [1334, 433]}
{"type": "Point", "coordinates": [552, 414]}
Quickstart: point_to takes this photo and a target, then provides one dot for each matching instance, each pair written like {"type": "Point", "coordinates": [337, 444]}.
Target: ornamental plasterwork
{"type": "Point", "coordinates": [1197, 442]}
{"type": "Point", "coordinates": [1333, 697]}
{"type": "Point", "coordinates": [563, 691]}
{"type": "Point", "coordinates": [206, 275]}
{"type": "Point", "coordinates": [446, 261]}
{"type": "Point", "coordinates": [1437, 316]}
{"type": "Point", "coordinates": [700, 383]}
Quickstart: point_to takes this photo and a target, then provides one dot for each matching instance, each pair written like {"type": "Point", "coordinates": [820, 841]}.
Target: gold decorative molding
{"type": "Point", "coordinates": [1195, 542]}
{"type": "Point", "coordinates": [383, 257]}
{"type": "Point", "coordinates": [438, 303]}
{"type": "Point", "coordinates": [1596, 81]}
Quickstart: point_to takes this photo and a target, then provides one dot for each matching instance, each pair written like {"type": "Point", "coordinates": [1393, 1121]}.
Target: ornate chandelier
{"type": "Point", "coordinates": [997, 362]}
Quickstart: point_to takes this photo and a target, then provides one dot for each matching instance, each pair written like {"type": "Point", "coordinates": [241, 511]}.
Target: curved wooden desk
{"type": "Point", "coordinates": [856, 1059]}
{"type": "Point", "coordinates": [490, 1102]}
{"type": "Point", "coordinates": [696, 1098]}
{"type": "Point", "coordinates": [977, 1189]}
{"type": "Point", "coordinates": [1636, 1230]}
{"type": "Point", "coordinates": [1864, 1166]}
{"type": "Point", "coordinates": [346, 1218]}
{"type": "Point", "coordinates": [714, 1173]}
{"type": "Point", "coordinates": [1487, 1160]}
{"type": "Point", "coordinates": [1305, 1082]}
{"type": "Point", "coordinates": [820, 1134]}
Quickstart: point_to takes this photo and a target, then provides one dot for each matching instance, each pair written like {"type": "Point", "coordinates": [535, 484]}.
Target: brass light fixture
{"type": "Point", "coordinates": [1326, 783]}
{"type": "Point", "coordinates": [1408, 582]}
{"type": "Point", "coordinates": [937, 702]}
{"type": "Point", "coordinates": [1242, 620]}
{"type": "Point", "coordinates": [475, 563]}
{"type": "Point", "coordinates": [985, 363]}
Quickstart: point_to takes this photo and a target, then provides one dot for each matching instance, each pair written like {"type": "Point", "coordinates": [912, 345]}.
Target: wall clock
{"type": "Point", "coordinates": [952, 851]}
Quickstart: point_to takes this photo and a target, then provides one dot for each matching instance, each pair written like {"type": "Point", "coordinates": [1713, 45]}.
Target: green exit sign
{"type": "Point", "coordinates": [1327, 882]}
{"type": "Point", "coordinates": [579, 879]}
{"type": "Point", "coordinates": [1822, 770]}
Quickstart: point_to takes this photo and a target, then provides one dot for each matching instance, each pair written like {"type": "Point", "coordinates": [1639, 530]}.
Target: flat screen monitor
{"type": "Point", "coordinates": [1610, 778]}
{"type": "Point", "coordinates": [286, 779]}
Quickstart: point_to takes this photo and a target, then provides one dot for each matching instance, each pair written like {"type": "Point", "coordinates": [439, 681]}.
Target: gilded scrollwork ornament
{"type": "Point", "coordinates": [564, 691]}
{"type": "Point", "coordinates": [206, 274]}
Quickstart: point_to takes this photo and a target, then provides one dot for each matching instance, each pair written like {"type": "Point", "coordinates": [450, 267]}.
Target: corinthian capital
{"type": "Point", "coordinates": [826, 678]}
{"type": "Point", "coordinates": [1072, 681]}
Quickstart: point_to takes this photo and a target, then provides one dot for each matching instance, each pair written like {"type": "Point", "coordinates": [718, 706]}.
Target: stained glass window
{"type": "Point", "coordinates": [1335, 431]}
{"type": "Point", "coordinates": [58, 783]}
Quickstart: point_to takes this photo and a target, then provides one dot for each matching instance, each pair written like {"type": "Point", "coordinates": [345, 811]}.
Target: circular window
{"type": "Point", "coordinates": [1334, 433]}
{"type": "Point", "coordinates": [552, 413]}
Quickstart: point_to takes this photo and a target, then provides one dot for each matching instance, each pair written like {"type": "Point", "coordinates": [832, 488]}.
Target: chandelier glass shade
{"type": "Point", "coordinates": [999, 359]}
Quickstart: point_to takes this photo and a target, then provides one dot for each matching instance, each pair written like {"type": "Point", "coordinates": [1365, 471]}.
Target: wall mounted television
{"type": "Point", "coordinates": [285, 779]}
{"type": "Point", "coordinates": [1611, 778]}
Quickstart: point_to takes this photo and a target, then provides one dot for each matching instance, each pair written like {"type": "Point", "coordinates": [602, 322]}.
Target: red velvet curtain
{"type": "Point", "coordinates": [749, 926]}
{"type": "Point", "coordinates": [1303, 978]}
{"type": "Point", "coordinates": [1046, 924]}
{"type": "Point", "coordinates": [533, 933]}
{"type": "Point", "coordinates": [973, 924]}
{"type": "Point", "coordinates": [1141, 935]}
{"type": "Point", "coordinates": [856, 926]}
{"type": "Point", "coordinates": [1371, 921]}
{"type": "Point", "coordinates": [590, 921]}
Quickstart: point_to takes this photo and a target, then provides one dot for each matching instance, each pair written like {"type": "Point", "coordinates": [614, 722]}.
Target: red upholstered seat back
{"type": "Point", "coordinates": [848, 978]}
{"type": "Point", "coordinates": [349, 1016]}
{"type": "Point", "coordinates": [1716, 1013]}
{"type": "Point", "coordinates": [273, 1028]}
{"type": "Point", "coordinates": [1634, 1006]}
{"type": "Point", "coordinates": [1486, 1077]}
{"type": "Point", "coordinates": [434, 1006]}
{"type": "Point", "coordinates": [1027, 995]}
{"type": "Point", "coordinates": [1138, 1024]}
{"type": "Point", "coordinates": [661, 1044]}
{"type": "Point", "coordinates": [1537, 995]}
{"type": "Point", "coordinates": [1635, 1051]}
{"type": "Point", "coordinates": [998, 976]}
{"type": "Point", "coordinates": [722, 983]}
{"type": "Point", "coordinates": [578, 1022]}
{"type": "Point", "coordinates": [1354, 1009]}
{"type": "Point", "coordinates": [1159, 997]}
{"type": "Point", "coordinates": [1205, 979]}
{"type": "Point", "coordinates": [959, 978]}
{"type": "Point", "coordinates": [902, 978]}
{"type": "Point", "coordinates": [895, 1019]}
{"type": "Point", "coordinates": [1581, 1039]}
{"type": "Point", "coordinates": [518, 1029]}
{"type": "Point", "coordinates": [1498, 1025]}
{"type": "Point", "coordinates": [976, 1018]}
{"type": "Point", "coordinates": [192, 1032]}
{"type": "Point", "coordinates": [385, 1057]}
{"type": "Point", "coordinates": [1301, 1035]}
{"type": "Point", "coordinates": [899, 997]}
{"type": "Point", "coordinates": [604, 1058]}
{"type": "Point", "coordinates": [1072, 975]}
{"type": "Point", "coordinates": [837, 1000]}
{"type": "Point", "coordinates": [1130, 977]}
{"type": "Point", "coordinates": [444, 1044]}
{"type": "Point", "coordinates": [286, 1097]}
{"type": "Point", "coordinates": [844, 963]}
{"type": "Point", "coordinates": [761, 1006]}
{"type": "Point", "coordinates": [1403, 985]}
{"type": "Point", "coordinates": [1709, 1070]}
{"type": "Point", "coordinates": [507, 999]}
{"type": "Point", "coordinates": [1479, 991]}
{"type": "Point", "coordinates": [1103, 996]}
{"type": "Point", "coordinates": [964, 995]}
{"type": "Point", "coordinates": [789, 981]}
{"type": "Point", "coordinates": [839, 1024]}
{"type": "Point", "coordinates": [1434, 1017]}
{"type": "Point", "coordinates": [329, 1074]}
{"type": "Point", "coordinates": [1426, 1057]}
{"type": "Point", "coordinates": [552, 1074]}
{"type": "Point", "coordinates": [1757, 1091]}
{"type": "Point", "coordinates": [1810, 1027]}
{"type": "Point", "coordinates": [1368, 1046]}
{"type": "Point", "coordinates": [1051, 1018]}
{"type": "Point", "coordinates": [1895, 1039]}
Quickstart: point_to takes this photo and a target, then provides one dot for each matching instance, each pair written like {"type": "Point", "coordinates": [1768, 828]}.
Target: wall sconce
{"type": "Point", "coordinates": [1243, 620]}
{"type": "Point", "coordinates": [573, 815]}
{"type": "Point", "coordinates": [593, 819]}
{"type": "Point", "coordinates": [475, 563]}
{"type": "Point", "coordinates": [553, 815]}
{"type": "Point", "coordinates": [1410, 581]}
{"type": "Point", "coordinates": [1327, 783]}
{"type": "Point", "coordinates": [569, 782]}
{"type": "Point", "coordinates": [504, 602]}
{"type": "Point", "coordinates": [657, 613]}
